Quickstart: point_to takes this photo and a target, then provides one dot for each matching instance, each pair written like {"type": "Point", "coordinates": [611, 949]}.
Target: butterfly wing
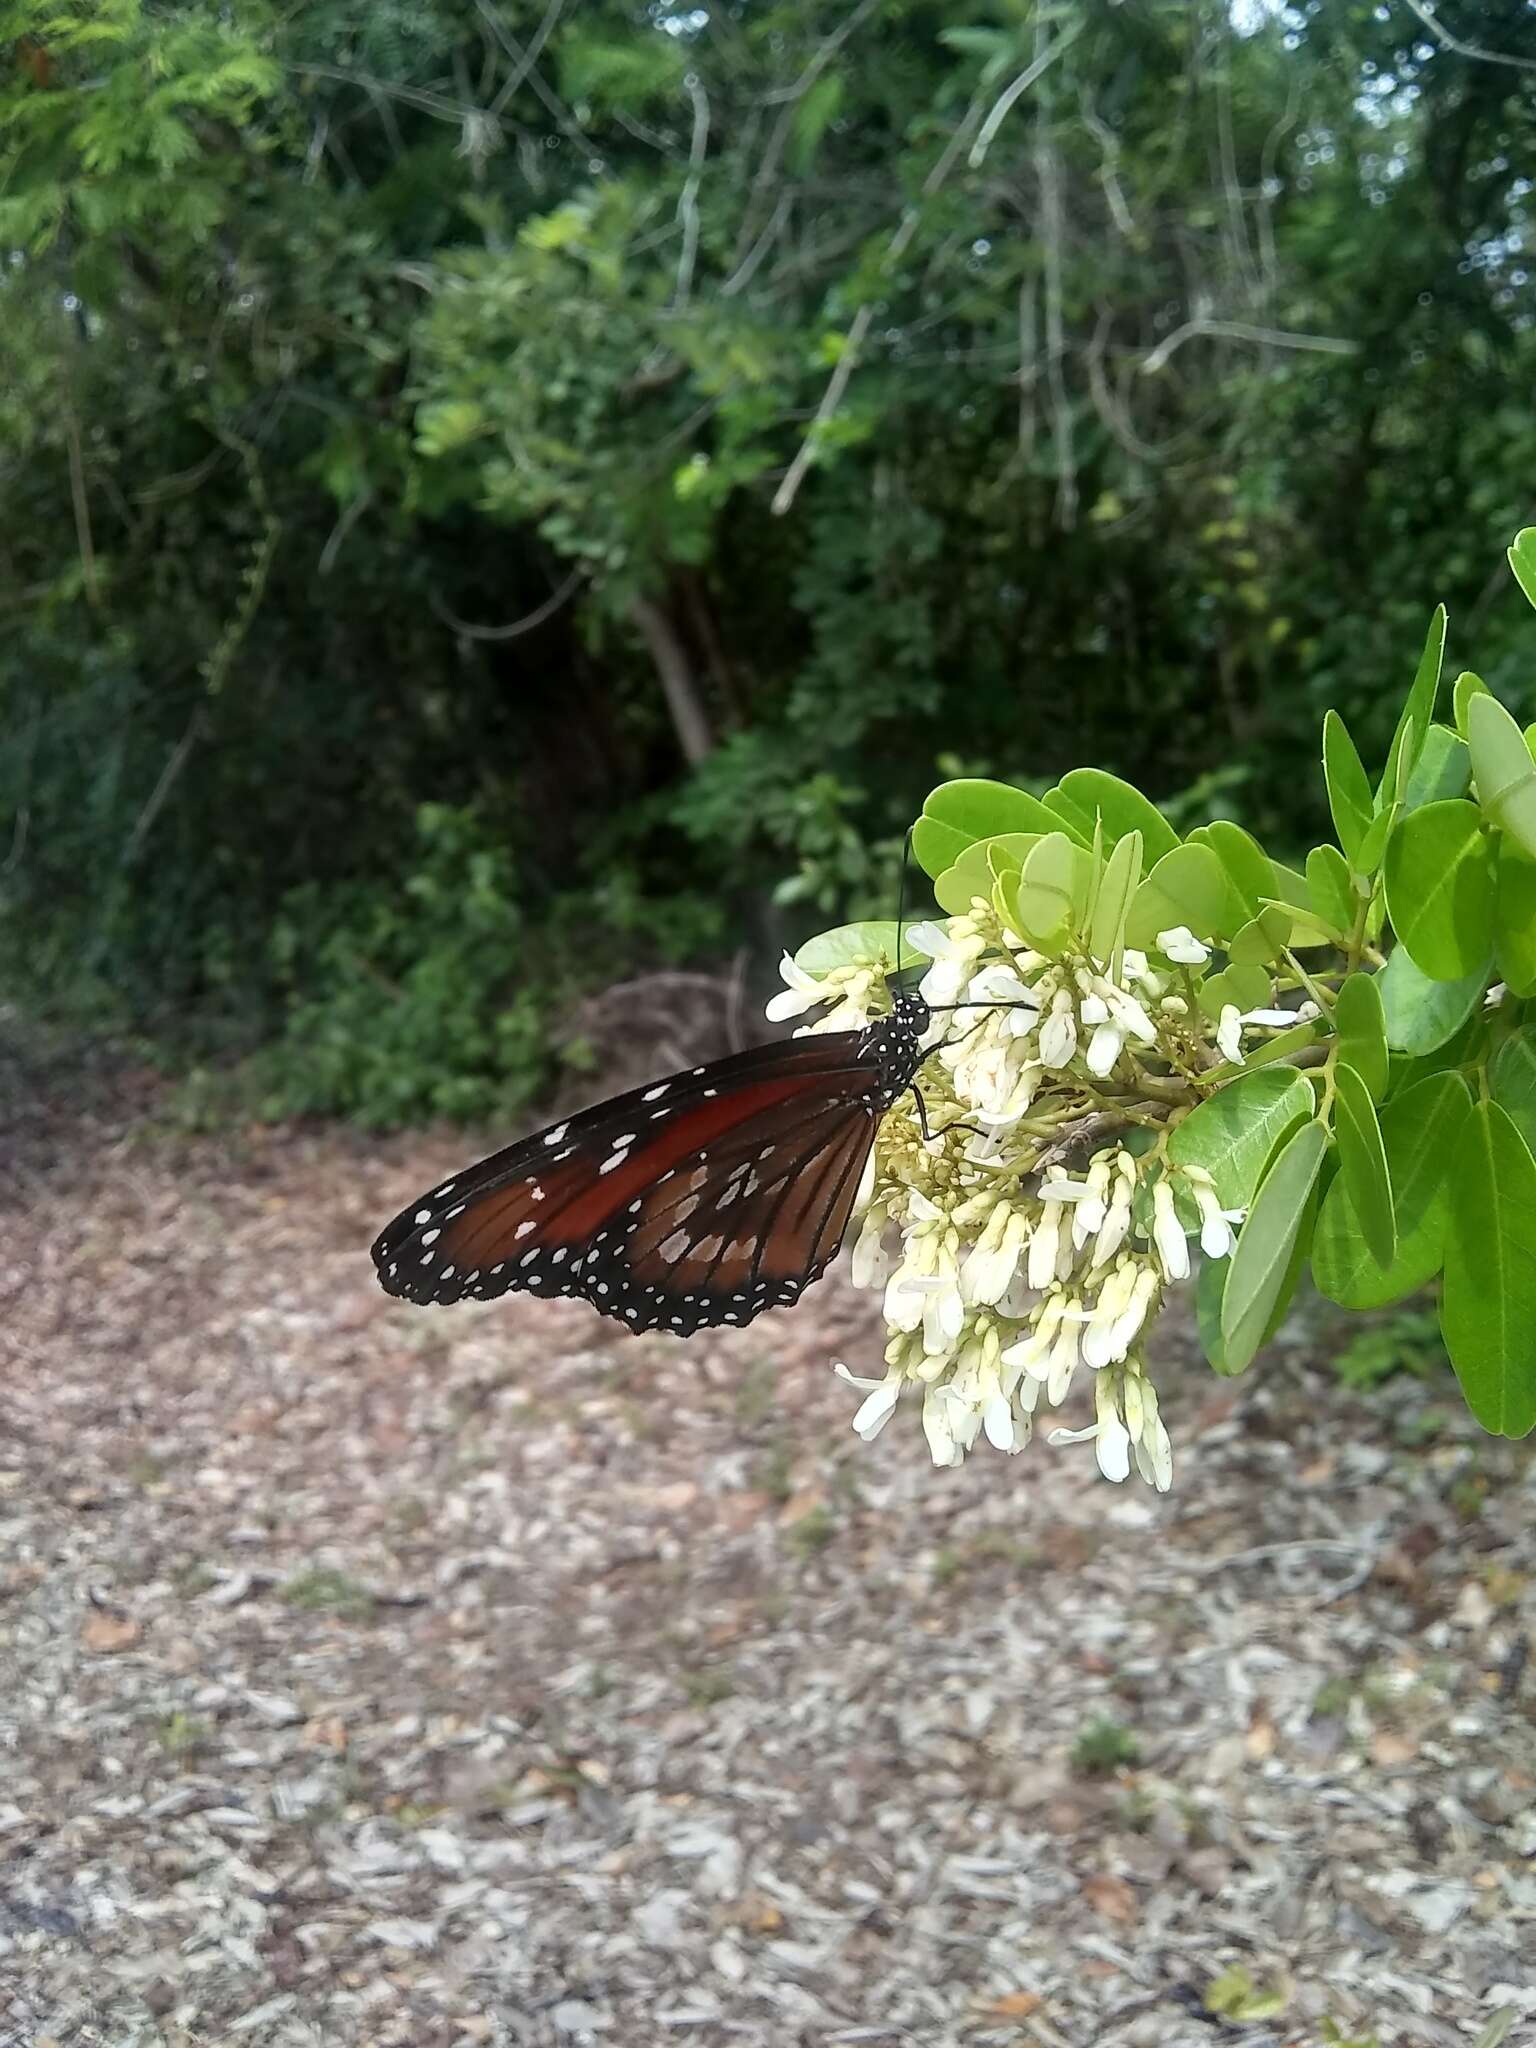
{"type": "Point", "coordinates": [701, 1199]}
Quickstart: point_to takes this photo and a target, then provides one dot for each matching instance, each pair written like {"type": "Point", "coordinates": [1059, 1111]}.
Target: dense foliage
{"type": "Point", "coordinates": [491, 486]}
{"type": "Point", "coordinates": [1137, 1036]}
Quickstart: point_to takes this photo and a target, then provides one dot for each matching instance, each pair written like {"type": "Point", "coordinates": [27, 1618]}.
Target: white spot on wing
{"type": "Point", "coordinates": [617, 1158]}
{"type": "Point", "coordinates": [651, 1094]}
{"type": "Point", "coordinates": [430, 1236]}
{"type": "Point", "coordinates": [523, 1229]}
{"type": "Point", "coordinates": [553, 1137]}
{"type": "Point", "coordinates": [422, 1216]}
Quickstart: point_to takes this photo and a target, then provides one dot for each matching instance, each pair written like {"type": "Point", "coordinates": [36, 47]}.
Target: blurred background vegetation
{"type": "Point", "coordinates": [501, 494]}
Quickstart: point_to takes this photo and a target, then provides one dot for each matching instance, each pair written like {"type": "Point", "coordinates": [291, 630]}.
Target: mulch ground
{"type": "Point", "coordinates": [436, 1678]}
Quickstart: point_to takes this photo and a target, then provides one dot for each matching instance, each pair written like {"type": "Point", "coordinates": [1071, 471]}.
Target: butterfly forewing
{"type": "Point", "coordinates": [699, 1200]}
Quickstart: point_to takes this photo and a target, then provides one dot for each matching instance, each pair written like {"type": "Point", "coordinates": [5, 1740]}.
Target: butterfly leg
{"type": "Point", "coordinates": [922, 1117]}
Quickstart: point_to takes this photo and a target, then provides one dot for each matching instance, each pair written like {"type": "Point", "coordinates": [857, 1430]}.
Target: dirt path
{"type": "Point", "coordinates": [383, 1676]}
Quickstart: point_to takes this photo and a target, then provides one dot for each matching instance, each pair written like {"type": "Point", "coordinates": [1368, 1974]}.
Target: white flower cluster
{"type": "Point", "coordinates": [1010, 1274]}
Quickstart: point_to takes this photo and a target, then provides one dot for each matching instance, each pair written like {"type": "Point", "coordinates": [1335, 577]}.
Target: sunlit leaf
{"type": "Point", "coordinates": [1522, 559]}
{"type": "Point", "coordinates": [1349, 792]}
{"type": "Point", "coordinates": [1444, 769]}
{"type": "Point", "coordinates": [849, 945]}
{"type": "Point", "coordinates": [1440, 885]}
{"type": "Point", "coordinates": [1333, 893]}
{"type": "Point", "coordinates": [1417, 713]}
{"type": "Point", "coordinates": [974, 872]}
{"type": "Point", "coordinates": [1117, 885]}
{"type": "Point", "coordinates": [1233, 1132]}
{"type": "Point", "coordinates": [1503, 770]}
{"type": "Point", "coordinates": [1087, 795]}
{"type": "Point", "coordinates": [1249, 867]}
{"type": "Point", "coordinates": [1360, 1023]}
{"type": "Point", "coordinates": [1463, 690]}
{"type": "Point", "coordinates": [1189, 887]}
{"type": "Point", "coordinates": [957, 814]}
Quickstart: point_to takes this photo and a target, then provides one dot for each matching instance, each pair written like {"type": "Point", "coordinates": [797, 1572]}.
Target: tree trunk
{"type": "Point", "coordinates": [689, 720]}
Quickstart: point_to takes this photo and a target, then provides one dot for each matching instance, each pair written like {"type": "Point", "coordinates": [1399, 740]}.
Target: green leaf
{"type": "Point", "coordinates": [1264, 938]}
{"type": "Point", "coordinates": [1051, 895]}
{"type": "Point", "coordinates": [1512, 1078]}
{"type": "Point", "coordinates": [1262, 1258]}
{"type": "Point", "coordinates": [1333, 893]}
{"type": "Point", "coordinates": [1504, 771]}
{"type": "Point", "coordinates": [1514, 919]}
{"type": "Point", "coordinates": [1488, 1308]}
{"type": "Point", "coordinates": [973, 874]}
{"type": "Point", "coordinates": [1416, 714]}
{"type": "Point", "coordinates": [1522, 559]}
{"type": "Point", "coordinates": [1245, 984]}
{"type": "Point", "coordinates": [1372, 848]}
{"type": "Point", "coordinates": [1422, 1013]}
{"type": "Point", "coordinates": [1420, 1130]}
{"type": "Point", "coordinates": [1444, 769]}
{"type": "Point", "coordinates": [1363, 1163]}
{"type": "Point", "coordinates": [847, 946]}
{"type": "Point", "coordinates": [1349, 792]}
{"type": "Point", "coordinates": [1440, 884]}
{"type": "Point", "coordinates": [957, 814]}
{"type": "Point", "coordinates": [1360, 1023]}
{"type": "Point", "coordinates": [1117, 885]}
{"type": "Point", "coordinates": [1188, 886]}
{"type": "Point", "coordinates": [1463, 690]}
{"type": "Point", "coordinates": [1249, 867]}
{"type": "Point", "coordinates": [1210, 1288]}
{"type": "Point", "coordinates": [1233, 1133]}
{"type": "Point", "coordinates": [1088, 795]}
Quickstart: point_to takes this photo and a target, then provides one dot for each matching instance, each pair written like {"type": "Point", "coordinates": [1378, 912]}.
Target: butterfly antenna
{"type": "Point", "coordinates": [901, 893]}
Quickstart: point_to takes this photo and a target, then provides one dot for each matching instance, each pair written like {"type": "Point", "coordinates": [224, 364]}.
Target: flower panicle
{"type": "Point", "coordinates": [1023, 1251]}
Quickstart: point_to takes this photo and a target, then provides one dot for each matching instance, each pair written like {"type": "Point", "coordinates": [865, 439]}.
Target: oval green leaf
{"type": "Point", "coordinates": [956, 814]}
{"type": "Point", "coordinates": [1360, 1023]}
{"type": "Point", "coordinates": [1522, 559]}
{"type": "Point", "coordinates": [973, 873]}
{"type": "Point", "coordinates": [1233, 1133]}
{"type": "Point", "coordinates": [849, 945]}
{"type": "Point", "coordinates": [1333, 894]}
{"type": "Point", "coordinates": [1363, 1163]}
{"type": "Point", "coordinates": [1421, 1131]}
{"type": "Point", "coordinates": [1416, 715]}
{"type": "Point", "coordinates": [1488, 1308]}
{"type": "Point", "coordinates": [1440, 885]}
{"type": "Point", "coordinates": [1503, 770]}
{"type": "Point", "coordinates": [1422, 1014]}
{"type": "Point", "coordinates": [1444, 769]}
{"type": "Point", "coordinates": [1261, 1262]}
{"type": "Point", "coordinates": [1117, 885]}
{"type": "Point", "coordinates": [1248, 866]}
{"type": "Point", "coordinates": [1463, 690]}
{"type": "Point", "coordinates": [1349, 791]}
{"type": "Point", "coordinates": [1051, 894]}
{"type": "Point", "coordinates": [1090, 796]}
{"type": "Point", "coordinates": [1188, 886]}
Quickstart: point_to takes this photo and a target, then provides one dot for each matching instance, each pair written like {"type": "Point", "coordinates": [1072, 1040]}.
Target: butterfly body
{"type": "Point", "coordinates": [697, 1201]}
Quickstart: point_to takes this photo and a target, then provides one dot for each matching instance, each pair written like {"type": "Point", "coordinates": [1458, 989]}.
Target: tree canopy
{"type": "Point", "coordinates": [491, 489]}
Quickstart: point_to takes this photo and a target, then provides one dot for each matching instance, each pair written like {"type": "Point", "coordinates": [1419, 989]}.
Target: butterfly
{"type": "Point", "coordinates": [699, 1201]}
